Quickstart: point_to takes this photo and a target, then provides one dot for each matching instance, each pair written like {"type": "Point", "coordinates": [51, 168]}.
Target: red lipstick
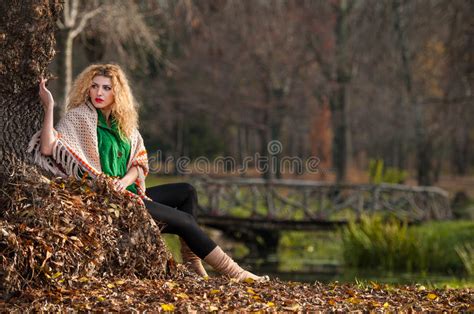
{"type": "Point", "coordinates": [99, 100]}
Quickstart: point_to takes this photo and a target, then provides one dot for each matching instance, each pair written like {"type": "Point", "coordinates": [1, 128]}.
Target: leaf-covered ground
{"type": "Point", "coordinates": [221, 294]}
{"type": "Point", "coordinates": [79, 245]}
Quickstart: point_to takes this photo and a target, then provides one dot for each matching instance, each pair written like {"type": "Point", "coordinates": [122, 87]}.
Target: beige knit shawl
{"type": "Point", "coordinates": [76, 148]}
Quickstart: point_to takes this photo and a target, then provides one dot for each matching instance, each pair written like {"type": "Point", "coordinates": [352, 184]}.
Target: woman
{"type": "Point", "coordinates": [99, 134]}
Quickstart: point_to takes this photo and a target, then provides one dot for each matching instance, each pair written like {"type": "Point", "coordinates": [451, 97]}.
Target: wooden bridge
{"type": "Point", "coordinates": [256, 210]}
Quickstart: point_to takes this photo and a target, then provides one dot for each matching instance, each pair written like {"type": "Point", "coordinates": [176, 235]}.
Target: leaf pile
{"type": "Point", "coordinates": [55, 231]}
{"type": "Point", "coordinates": [187, 294]}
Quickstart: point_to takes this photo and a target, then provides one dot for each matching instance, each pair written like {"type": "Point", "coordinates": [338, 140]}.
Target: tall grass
{"type": "Point", "coordinates": [466, 253]}
{"type": "Point", "coordinates": [391, 245]}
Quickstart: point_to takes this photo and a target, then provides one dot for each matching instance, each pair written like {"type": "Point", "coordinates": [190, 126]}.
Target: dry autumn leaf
{"type": "Point", "coordinates": [182, 296]}
{"type": "Point", "coordinates": [167, 307]}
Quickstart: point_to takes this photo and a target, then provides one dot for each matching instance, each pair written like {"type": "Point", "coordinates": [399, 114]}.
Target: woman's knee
{"type": "Point", "coordinates": [185, 221]}
{"type": "Point", "coordinates": [188, 189]}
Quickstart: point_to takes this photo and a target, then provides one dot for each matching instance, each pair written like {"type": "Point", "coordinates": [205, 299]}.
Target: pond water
{"type": "Point", "coordinates": [318, 256]}
{"type": "Point", "coordinates": [310, 271]}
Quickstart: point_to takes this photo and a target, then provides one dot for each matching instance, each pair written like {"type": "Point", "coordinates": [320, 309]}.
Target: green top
{"type": "Point", "coordinates": [114, 150]}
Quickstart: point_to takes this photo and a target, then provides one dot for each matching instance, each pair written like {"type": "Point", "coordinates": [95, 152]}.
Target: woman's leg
{"type": "Point", "coordinates": [183, 196]}
{"type": "Point", "coordinates": [184, 224]}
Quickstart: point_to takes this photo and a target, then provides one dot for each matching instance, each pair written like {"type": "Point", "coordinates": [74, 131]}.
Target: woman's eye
{"type": "Point", "coordinates": [107, 88]}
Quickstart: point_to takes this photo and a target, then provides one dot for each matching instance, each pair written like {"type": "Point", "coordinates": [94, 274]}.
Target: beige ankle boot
{"type": "Point", "coordinates": [191, 260]}
{"type": "Point", "coordinates": [222, 262]}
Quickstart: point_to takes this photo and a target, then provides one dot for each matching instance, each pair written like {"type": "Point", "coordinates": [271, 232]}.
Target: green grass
{"type": "Point", "coordinates": [152, 180]}
{"type": "Point", "coordinates": [393, 246]}
{"type": "Point", "coordinates": [172, 242]}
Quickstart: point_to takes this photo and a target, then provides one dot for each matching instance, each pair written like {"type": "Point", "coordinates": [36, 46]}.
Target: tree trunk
{"type": "Point", "coordinates": [461, 150]}
{"type": "Point", "coordinates": [61, 36]}
{"type": "Point", "coordinates": [422, 144]}
{"type": "Point", "coordinates": [68, 65]}
{"type": "Point", "coordinates": [338, 97]}
{"type": "Point", "coordinates": [64, 61]}
{"type": "Point", "coordinates": [264, 163]}
{"type": "Point", "coordinates": [27, 34]}
{"type": "Point", "coordinates": [240, 144]}
{"type": "Point", "coordinates": [276, 148]}
{"type": "Point", "coordinates": [179, 139]}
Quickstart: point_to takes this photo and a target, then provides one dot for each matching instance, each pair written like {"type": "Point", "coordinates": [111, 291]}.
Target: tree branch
{"type": "Point", "coordinates": [66, 13]}
{"type": "Point", "coordinates": [75, 5]}
{"type": "Point", "coordinates": [83, 22]}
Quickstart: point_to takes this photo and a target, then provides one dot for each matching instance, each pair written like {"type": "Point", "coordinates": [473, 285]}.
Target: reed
{"type": "Point", "coordinates": [390, 245]}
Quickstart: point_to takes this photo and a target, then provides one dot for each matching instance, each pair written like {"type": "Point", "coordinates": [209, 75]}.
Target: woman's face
{"type": "Point", "coordinates": [101, 93]}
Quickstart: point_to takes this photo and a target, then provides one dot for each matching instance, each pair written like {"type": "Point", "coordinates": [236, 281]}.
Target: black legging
{"type": "Point", "coordinates": [175, 205]}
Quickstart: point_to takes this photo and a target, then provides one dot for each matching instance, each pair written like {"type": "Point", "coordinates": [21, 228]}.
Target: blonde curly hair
{"type": "Point", "coordinates": [124, 109]}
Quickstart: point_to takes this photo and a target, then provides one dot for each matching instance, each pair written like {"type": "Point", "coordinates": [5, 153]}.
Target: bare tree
{"type": "Point", "coordinates": [73, 21]}
{"type": "Point", "coordinates": [118, 25]}
{"type": "Point", "coordinates": [261, 70]}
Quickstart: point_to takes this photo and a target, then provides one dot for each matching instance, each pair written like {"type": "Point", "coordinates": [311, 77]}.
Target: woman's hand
{"type": "Point", "coordinates": [119, 185]}
{"type": "Point", "coordinates": [48, 137]}
{"type": "Point", "coordinates": [45, 95]}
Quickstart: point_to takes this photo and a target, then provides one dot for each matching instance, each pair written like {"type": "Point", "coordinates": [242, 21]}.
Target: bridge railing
{"type": "Point", "coordinates": [309, 200]}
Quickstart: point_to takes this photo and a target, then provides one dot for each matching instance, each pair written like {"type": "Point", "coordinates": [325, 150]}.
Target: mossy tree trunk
{"type": "Point", "coordinates": [27, 48]}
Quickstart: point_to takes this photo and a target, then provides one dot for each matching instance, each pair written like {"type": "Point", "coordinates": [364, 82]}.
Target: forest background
{"type": "Point", "coordinates": [344, 81]}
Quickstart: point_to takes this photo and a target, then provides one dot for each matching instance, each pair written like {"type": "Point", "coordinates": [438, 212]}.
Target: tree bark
{"type": "Point", "coordinates": [27, 34]}
{"type": "Point", "coordinates": [338, 97]}
{"type": "Point", "coordinates": [424, 149]}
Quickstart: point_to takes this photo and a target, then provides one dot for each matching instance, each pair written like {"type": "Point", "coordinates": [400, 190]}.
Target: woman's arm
{"type": "Point", "coordinates": [47, 131]}
{"type": "Point", "coordinates": [129, 178]}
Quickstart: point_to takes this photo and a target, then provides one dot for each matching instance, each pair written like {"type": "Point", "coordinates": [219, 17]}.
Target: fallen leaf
{"type": "Point", "coordinates": [167, 307]}
{"type": "Point", "coordinates": [294, 307]}
{"type": "Point", "coordinates": [375, 304]}
{"type": "Point", "coordinates": [354, 300]}
{"type": "Point", "coordinates": [375, 285]}
{"type": "Point", "coordinates": [182, 295]}
{"type": "Point", "coordinates": [170, 284]}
